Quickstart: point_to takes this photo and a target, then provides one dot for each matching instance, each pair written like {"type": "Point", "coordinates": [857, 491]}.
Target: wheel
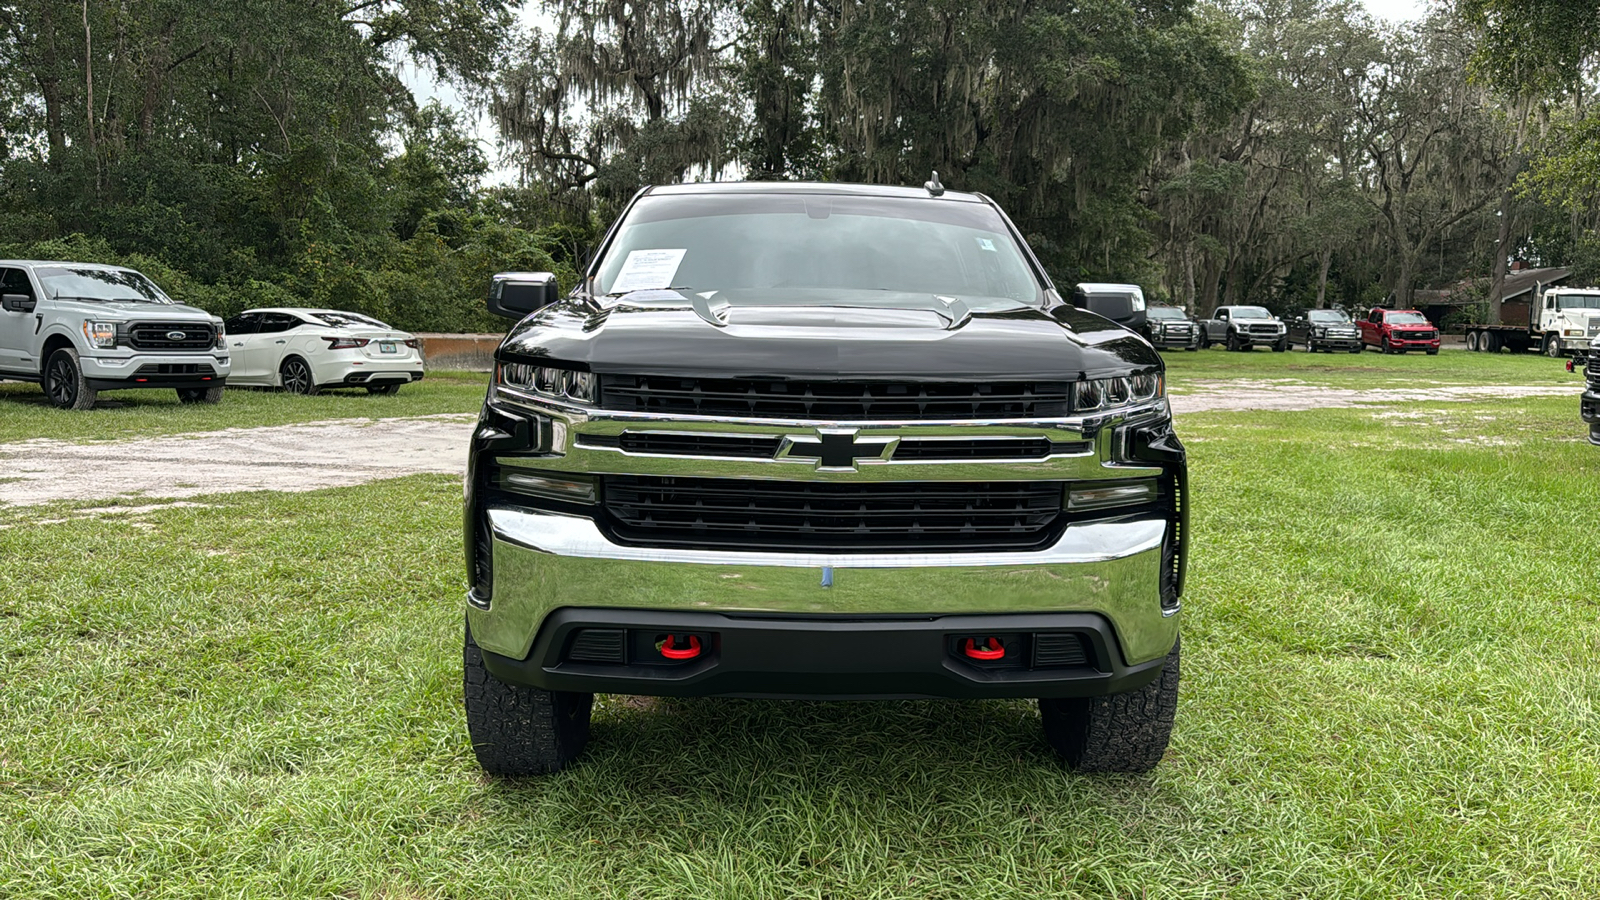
{"type": "Point", "coordinates": [1233, 342]}
{"type": "Point", "coordinates": [392, 387]}
{"type": "Point", "coordinates": [1190, 349]}
{"type": "Point", "coordinates": [200, 395]}
{"type": "Point", "coordinates": [296, 375]}
{"type": "Point", "coordinates": [1490, 342]}
{"type": "Point", "coordinates": [1553, 347]}
{"type": "Point", "coordinates": [1120, 733]}
{"type": "Point", "coordinates": [1355, 349]}
{"type": "Point", "coordinates": [521, 730]}
{"type": "Point", "coordinates": [1280, 345]}
{"type": "Point", "coordinates": [1384, 347]}
{"type": "Point", "coordinates": [1472, 341]}
{"type": "Point", "coordinates": [1205, 342]}
{"type": "Point", "coordinates": [1433, 352]}
{"type": "Point", "coordinates": [64, 384]}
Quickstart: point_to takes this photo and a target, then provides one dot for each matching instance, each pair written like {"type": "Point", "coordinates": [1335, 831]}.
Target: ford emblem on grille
{"type": "Point", "coordinates": [176, 335]}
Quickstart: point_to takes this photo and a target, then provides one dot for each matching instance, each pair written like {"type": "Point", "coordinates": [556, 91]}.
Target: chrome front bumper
{"type": "Point", "coordinates": [543, 562]}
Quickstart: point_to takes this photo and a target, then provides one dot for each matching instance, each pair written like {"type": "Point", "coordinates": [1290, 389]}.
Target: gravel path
{"type": "Point", "coordinates": [353, 451]}
{"type": "Point", "coordinates": [281, 458]}
{"type": "Point", "coordinates": [1245, 394]}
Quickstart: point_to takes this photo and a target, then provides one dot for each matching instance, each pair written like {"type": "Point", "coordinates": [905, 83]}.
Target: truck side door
{"type": "Point", "coordinates": [17, 323]}
{"type": "Point", "coordinates": [1372, 328]}
{"type": "Point", "coordinates": [1217, 328]}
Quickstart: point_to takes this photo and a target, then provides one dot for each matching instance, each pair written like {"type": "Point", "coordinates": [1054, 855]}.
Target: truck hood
{"type": "Point", "coordinates": [130, 311]}
{"type": "Point", "coordinates": [810, 334]}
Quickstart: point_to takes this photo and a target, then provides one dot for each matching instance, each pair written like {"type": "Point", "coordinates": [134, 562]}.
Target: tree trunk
{"type": "Point", "coordinates": [1322, 279]}
{"type": "Point", "coordinates": [1502, 253]}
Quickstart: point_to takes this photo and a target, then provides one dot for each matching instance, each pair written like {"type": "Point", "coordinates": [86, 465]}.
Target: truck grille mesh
{"type": "Point", "coordinates": [154, 336]}
{"type": "Point", "coordinates": [1592, 370]}
{"type": "Point", "coordinates": [867, 517]}
{"type": "Point", "coordinates": [835, 400]}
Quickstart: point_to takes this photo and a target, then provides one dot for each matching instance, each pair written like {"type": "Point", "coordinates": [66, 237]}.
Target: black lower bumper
{"type": "Point", "coordinates": [1589, 408]}
{"type": "Point", "coordinates": [384, 377]}
{"type": "Point", "coordinates": [181, 382]}
{"type": "Point", "coordinates": [621, 651]}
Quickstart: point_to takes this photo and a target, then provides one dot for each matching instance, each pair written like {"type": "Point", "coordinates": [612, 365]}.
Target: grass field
{"type": "Point", "coordinates": [1390, 690]}
{"type": "Point", "coordinates": [124, 414]}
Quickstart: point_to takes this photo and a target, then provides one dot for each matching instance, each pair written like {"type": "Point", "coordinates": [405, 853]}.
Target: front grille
{"type": "Point", "coordinates": [154, 336]}
{"type": "Point", "coordinates": [915, 450]}
{"type": "Point", "coordinates": [1417, 335]}
{"type": "Point", "coordinates": [690, 444]}
{"type": "Point", "coordinates": [1592, 369]}
{"type": "Point", "coordinates": [835, 400]}
{"type": "Point", "coordinates": [1262, 329]}
{"type": "Point", "coordinates": [842, 518]}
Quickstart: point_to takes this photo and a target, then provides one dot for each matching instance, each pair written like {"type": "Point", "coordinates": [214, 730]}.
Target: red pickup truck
{"type": "Point", "coordinates": [1399, 330]}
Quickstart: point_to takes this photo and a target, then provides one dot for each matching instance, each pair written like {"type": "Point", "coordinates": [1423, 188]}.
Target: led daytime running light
{"type": "Point", "coordinates": [1108, 394]}
{"type": "Point", "coordinates": [548, 381]}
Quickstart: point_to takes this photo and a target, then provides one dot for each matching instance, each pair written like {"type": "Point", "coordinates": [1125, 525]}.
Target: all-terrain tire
{"type": "Point", "coordinates": [1233, 342]}
{"type": "Point", "coordinates": [63, 381]}
{"type": "Point", "coordinates": [200, 395]}
{"type": "Point", "coordinates": [1119, 733]}
{"type": "Point", "coordinates": [519, 730]}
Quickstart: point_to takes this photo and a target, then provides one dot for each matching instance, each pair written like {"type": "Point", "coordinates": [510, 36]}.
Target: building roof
{"type": "Point", "coordinates": [1530, 280]}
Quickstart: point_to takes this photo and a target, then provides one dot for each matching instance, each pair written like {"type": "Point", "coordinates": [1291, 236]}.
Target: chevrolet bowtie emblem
{"type": "Point", "coordinates": [837, 449]}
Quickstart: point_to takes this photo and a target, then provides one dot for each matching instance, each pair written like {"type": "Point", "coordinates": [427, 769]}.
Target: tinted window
{"type": "Point", "coordinates": [15, 281]}
{"type": "Point", "coordinates": [1165, 312]}
{"type": "Point", "coordinates": [1251, 312]}
{"type": "Point", "coordinates": [790, 248]}
{"type": "Point", "coordinates": [340, 319]}
{"type": "Point", "coordinates": [273, 323]}
{"type": "Point", "coordinates": [1407, 318]}
{"type": "Point", "coordinates": [242, 324]}
{"type": "Point", "coordinates": [1327, 317]}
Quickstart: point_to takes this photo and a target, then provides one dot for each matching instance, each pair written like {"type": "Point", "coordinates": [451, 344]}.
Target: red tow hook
{"type": "Point", "coordinates": [971, 650]}
{"type": "Point", "coordinates": [672, 652]}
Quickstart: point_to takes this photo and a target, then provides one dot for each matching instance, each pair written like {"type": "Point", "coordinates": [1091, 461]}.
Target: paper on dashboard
{"type": "Point", "coordinates": [645, 270]}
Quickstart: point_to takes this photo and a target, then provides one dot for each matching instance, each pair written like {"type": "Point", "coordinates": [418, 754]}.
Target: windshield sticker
{"type": "Point", "coordinates": [986, 244]}
{"type": "Point", "coordinates": [646, 270]}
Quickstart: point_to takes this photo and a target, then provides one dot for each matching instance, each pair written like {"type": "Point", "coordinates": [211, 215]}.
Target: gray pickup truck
{"type": "Point", "coordinates": [79, 328]}
{"type": "Point", "coordinates": [820, 441]}
{"type": "Point", "coordinates": [1244, 328]}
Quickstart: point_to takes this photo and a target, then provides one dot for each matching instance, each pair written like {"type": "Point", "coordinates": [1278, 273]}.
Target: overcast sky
{"type": "Point", "coordinates": [424, 87]}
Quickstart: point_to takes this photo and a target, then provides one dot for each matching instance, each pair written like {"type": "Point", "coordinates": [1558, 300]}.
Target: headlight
{"type": "Point", "coordinates": [548, 381]}
{"type": "Point", "coordinates": [1321, 332]}
{"type": "Point", "coordinates": [1107, 394]}
{"type": "Point", "coordinates": [222, 336]}
{"type": "Point", "coordinates": [100, 334]}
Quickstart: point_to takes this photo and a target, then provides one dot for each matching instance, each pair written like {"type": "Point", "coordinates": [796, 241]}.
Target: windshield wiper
{"type": "Point", "coordinates": [676, 287]}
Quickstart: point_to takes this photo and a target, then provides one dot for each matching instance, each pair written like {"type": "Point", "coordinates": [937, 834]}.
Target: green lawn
{"type": "Point", "coordinates": [1390, 690]}
{"type": "Point", "coordinates": [1368, 369]}
{"type": "Point", "coordinates": [123, 414]}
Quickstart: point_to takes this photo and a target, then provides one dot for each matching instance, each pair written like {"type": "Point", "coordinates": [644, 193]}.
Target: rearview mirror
{"type": "Point", "coordinates": [515, 294]}
{"type": "Point", "coordinates": [16, 303]}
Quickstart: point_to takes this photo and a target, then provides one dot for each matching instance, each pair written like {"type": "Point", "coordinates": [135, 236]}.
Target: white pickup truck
{"type": "Point", "coordinates": [78, 328]}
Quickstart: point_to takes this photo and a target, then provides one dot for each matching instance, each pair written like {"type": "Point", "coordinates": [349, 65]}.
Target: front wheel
{"type": "Point", "coordinates": [64, 384]}
{"type": "Point", "coordinates": [1553, 347]}
{"type": "Point", "coordinates": [1120, 733]}
{"type": "Point", "coordinates": [200, 395]}
{"type": "Point", "coordinates": [1233, 342]}
{"type": "Point", "coordinates": [296, 375]}
{"type": "Point", "coordinates": [520, 730]}
{"type": "Point", "coordinates": [1281, 346]}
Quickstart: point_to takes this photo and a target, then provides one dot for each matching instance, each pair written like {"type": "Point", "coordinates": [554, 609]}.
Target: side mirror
{"type": "Point", "coordinates": [515, 294]}
{"type": "Point", "coordinates": [16, 303]}
{"type": "Point", "coordinates": [1126, 310]}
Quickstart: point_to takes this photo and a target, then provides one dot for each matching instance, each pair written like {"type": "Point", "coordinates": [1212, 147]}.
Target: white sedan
{"type": "Point", "coordinates": [305, 350]}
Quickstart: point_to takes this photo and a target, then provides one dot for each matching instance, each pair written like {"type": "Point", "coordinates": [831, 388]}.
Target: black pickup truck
{"type": "Point", "coordinates": [820, 441]}
{"type": "Point", "coordinates": [1589, 404]}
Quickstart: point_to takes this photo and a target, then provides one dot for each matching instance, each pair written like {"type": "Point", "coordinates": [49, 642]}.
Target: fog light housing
{"type": "Point", "coordinates": [563, 487]}
{"type": "Point", "coordinates": [1081, 498]}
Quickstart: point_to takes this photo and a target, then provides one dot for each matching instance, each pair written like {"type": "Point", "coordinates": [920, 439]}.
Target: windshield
{"type": "Point", "coordinates": [1407, 318]}
{"type": "Point", "coordinates": [816, 246]}
{"type": "Point", "coordinates": [1327, 317]}
{"type": "Point", "coordinates": [1250, 312]}
{"type": "Point", "coordinates": [341, 319]}
{"type": "Point", "coordinates": [1578, 301]}
{"type": "Point", "coordinates": [1165, 312]}
{"type": "Point", "coordinates": [71, 283]}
